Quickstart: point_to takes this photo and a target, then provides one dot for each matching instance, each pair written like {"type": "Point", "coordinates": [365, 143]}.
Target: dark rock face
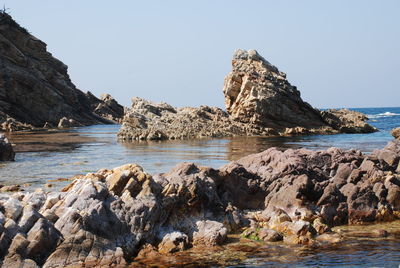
{"type": "Point", "coordinates": [35, 87]}
{"type": "Point", "coordinates": [6, 150]}
{"type": "Point", "coordinates": [109, 217]}
{"type": "Point", "coordinates": [259, 101]}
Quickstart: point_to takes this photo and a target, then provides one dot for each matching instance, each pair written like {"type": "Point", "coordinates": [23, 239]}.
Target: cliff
{"type": "Point", "coordinates": [35, 88]}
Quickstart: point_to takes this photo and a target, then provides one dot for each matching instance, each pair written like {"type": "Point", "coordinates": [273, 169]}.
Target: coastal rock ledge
{"type": "Point", "coordinates": [112, 217]}
{"type": "Point", "coordinates": [259, 101]}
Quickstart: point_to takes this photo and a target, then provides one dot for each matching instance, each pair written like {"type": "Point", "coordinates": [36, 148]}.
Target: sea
{"type": "Point", "coordinates": [45, 159]}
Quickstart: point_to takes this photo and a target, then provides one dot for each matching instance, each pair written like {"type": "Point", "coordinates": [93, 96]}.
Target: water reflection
{"type": "Point", "coordinates": [48, 155]}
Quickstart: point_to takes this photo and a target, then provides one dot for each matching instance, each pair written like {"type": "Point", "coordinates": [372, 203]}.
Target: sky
{"type": "Point", "coordinates": [338, 53]}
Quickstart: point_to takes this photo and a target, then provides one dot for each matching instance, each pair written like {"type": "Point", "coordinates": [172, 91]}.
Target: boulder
{"type": "Point", "coordinates": [6, 150]}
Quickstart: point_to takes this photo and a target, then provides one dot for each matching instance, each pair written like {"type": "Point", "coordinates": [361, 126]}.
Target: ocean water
{"type": "Point", "coordinates": [45, 157]}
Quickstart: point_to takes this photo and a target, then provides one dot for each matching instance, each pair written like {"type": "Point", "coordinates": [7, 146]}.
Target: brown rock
{"type": "Point", "coordinates": [396, 133]}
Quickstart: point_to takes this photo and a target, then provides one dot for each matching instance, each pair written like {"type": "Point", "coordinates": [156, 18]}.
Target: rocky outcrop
{"type": "Point", "coordinates": [35, 88]}
{"type": "Point", "coordinates": [6, 150]}
{"type": "Point", "coordinates": [259, 101]}
{"type": "Point", "coordinates": [257, 92]}
{"type": "Point", "coordinates": [347, 121]}
{"type": "Point", "coordinates": [109, 217]}
{"type": "Point", "coordinates": [396, 133]}
{"type": "Point", "coordinates": [152, 121]}
{"type": "Point", "coordinates": [106, 107]}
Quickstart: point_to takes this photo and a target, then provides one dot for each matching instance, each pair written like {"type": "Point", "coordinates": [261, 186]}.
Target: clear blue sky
{"type": "Point", "coordinates": [339, 53]}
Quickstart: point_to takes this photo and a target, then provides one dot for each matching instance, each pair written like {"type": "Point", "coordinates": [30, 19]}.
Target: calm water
{"type": "Point", "coordinates": [45, 156]}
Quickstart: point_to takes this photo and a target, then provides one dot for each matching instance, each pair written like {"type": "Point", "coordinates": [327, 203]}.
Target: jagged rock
{"type": "Point", "coordinates": [6, 150]}
{"type": "Point", "coordinates": [151, 121]}
{"type": "Point", "coordinates": [347, 121]}
{"type": "Point", "coordinates": [396, 133]}
{"type": "Point", "coordinates": [106, 107]}
{"type": "Point", "coordinates": [259, 101]}
{"type": "Point", "coordinates": [173, 242]}
{"type": "Point", "coordinates": [35, 87]}
{"type": "Point", "coordinates": [106, 218]}
{"type": "Point", "coordinates": [257, 92]}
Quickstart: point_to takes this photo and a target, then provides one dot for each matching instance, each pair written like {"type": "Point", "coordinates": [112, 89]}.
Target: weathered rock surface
{"type": "Point", "coordinates": [108, 217]}
{"type": "Point", "coordinates": [347, 121]}
{"type": "Point", "coordinates": [35, 88]}
{"type": "Point", "coordinates": [396, 133]}
{"type": "Point", "coordinates": [6, 150]}
{"type": "Point", "coordinates": [259, 101]}
{"type": "Point", "coordinates": [152, 121]}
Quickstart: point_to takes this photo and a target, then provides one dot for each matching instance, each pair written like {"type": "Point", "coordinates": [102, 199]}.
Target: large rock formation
{"type": "Point", "coordinates": [259, 101]}
{"type": "Point", "coordinates": [109, 217]}
{"type": "Point", "coordinates": [257, 92]}
{"type": "Point", "coordinates": [35, 87]}
{"type": "Point", "coordinates": [6, 150]}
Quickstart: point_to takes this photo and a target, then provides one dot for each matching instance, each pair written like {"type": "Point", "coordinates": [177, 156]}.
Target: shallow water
{"type": "Point", "coordinates": [43, 157]}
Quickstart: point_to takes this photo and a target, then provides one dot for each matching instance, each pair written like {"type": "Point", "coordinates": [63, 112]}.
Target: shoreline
{"type": "Point", "coordinates": [287, 196]}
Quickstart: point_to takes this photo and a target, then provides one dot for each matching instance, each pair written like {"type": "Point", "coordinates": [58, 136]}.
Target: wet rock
{"type": "Point", "coordinates": [67, 123]}
{"type": "Point", "coordinates": [209, 233]}
{"type": "Point", "coordinates": [329, 238]}
{"type": "Point", "coordinates": [269, 235]}
{"type": "Point", "coordinates": [10, 188]}
{"type": "Point", "coordinates": [6, 150]}
{"type": "Point", "coordinates": [173, 242]}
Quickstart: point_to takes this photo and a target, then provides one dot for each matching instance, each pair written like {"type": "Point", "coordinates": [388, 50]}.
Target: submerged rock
{"type": "Point", "coordinates": [108, 217]}
{"type": "Point", "coordinates": [259, 101]}
{"type": "Point", "coordinates": [6, 150]}
{"type": "Point", "coordinates": [35, 88]}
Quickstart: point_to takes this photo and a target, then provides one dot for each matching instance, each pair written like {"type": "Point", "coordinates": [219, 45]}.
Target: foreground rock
{"type": "Point", "coordinates": [111, 216]}
{"type": "Point", "coordinates": [259, 101]}
{"type": "Point", "coordinates": [35, 88]}
{"type": "Point", "coordinates": [6, 150]}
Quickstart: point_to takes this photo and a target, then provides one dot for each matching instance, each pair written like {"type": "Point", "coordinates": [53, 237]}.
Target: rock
{"type": "Point", "coordinates": [259, 101]}
{"type": "Point", "coordinates": [106, 107]}
{"type": "Point", "coordinates": [347, 121]}
{"type": "Point", "coordinates": [109, 217]}
{"type": "Point", "coordinates": [396, 133]}
{"type": "Point", "coordinates": [6, 150]}
{"type": "Point", "coordinates": [269, 235]}
{"type": "Point", "coordinates": [173, 242]}
{"type": "Point", "coordinates": [151, 121]}
{"type": "Point", "coordinates": [35, 88]}
{"type": "Point", "coordinates": [10, 188]}
{"type": "Point", "coordinates": [257, 92]}
{"type": "Point", "coordinates": [210, 233]}
{"type": "Point", "coordinates": [67, 123]}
